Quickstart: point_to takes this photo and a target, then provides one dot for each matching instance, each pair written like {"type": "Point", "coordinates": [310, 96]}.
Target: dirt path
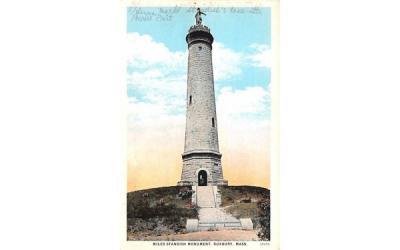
{"type": "Point", "coordinates": [236, 235]}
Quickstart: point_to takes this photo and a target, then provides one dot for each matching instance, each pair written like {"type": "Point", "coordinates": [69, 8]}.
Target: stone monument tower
{"type": "Point", "coordinates": [201, 156]}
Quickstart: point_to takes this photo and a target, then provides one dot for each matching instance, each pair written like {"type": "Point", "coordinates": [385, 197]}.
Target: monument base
{"type": "Point", "coordinates": [185, 183]}
{"type": "Point", "coordinates": [192, 183]}
{"type": "Point", "coordinates": [222, 183]}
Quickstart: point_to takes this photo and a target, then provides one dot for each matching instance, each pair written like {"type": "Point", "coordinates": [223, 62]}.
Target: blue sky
{"type": "Point", "coordinates": [234, 30]}
{"type": "Point", "coordinates": [241, 52]}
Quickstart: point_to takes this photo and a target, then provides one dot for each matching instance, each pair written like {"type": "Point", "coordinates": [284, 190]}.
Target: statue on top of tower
{"type": "Point", "coordinates": [198, 16]}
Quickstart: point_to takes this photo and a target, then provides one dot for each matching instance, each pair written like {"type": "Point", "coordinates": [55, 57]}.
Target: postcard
{"type": "Point", "coordinates": [202, 125]}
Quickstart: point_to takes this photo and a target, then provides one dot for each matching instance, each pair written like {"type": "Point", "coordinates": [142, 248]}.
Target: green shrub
{"type": "Point", "coordinates": [265, 215]}
{"type": "Point", "coordinates": [159, 209]}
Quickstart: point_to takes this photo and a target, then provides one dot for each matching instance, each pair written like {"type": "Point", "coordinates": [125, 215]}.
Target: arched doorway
{"type": "Point", "coordinates": [202, 178]}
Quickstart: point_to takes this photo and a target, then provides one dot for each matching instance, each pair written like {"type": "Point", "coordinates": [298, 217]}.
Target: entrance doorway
{"type": "Point", "coordinates": [202, 178]}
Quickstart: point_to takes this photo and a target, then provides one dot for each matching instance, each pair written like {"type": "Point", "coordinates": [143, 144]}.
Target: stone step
{"type": "Point", "coordinates": [219, 226]}
{"type": "Point", "coordinates": [215, 215]}
{"type": "Point", "coordinates": [211, 216]}
{"type": "Point", "coordinates": [193, 225]}
{"type": "Point", "coordinates": [226, 224]}
{"type": "Point", "coordinates": [205, 197]}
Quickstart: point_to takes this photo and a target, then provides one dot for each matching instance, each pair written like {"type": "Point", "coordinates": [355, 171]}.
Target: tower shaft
{"type": "Point", "coordinates": [201, 156]}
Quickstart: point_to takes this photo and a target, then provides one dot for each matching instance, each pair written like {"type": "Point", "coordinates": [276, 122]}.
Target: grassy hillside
{"type": "Point", "coordinates": [164, 211]}
{"type": "Point", "coordinates": [248, 202]}
{"type": "Point", "coordinates": [234, 194]}
{"type": "Point", "coordinates": [159, 210]}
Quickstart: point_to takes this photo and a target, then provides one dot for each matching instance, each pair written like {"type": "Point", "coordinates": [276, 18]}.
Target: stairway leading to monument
{"type": "Point", "coordinates": [205, 197]}
{"type": "Point", "coordinates": [210, 215]}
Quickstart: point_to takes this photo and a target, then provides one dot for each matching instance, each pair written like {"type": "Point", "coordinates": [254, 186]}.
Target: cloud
{"type": "Point", "coordinates": [155, 142]}
{"type": "Point", "coordinates": [226, 62]}
{"type": "Point", "coordinates": [143, 52]}
{"type": "Point", "coordinates": [261, 56]}
{"type": "Point", "coordinates": [155, 86]}
{"type": "Point", "coordinates": [156, 77]}
{"type": "Point", "coordinates": [243, 118]}
{"type": "Point", "coordinates": [157, 82]}
{"type": "Point", "coordinates": [251, 100]}
{"type": "Point", "coordinates": [244, 134]}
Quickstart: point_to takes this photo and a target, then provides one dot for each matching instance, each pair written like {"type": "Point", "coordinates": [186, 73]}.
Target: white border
{"type": "Point", "coordinates": [274, 186]}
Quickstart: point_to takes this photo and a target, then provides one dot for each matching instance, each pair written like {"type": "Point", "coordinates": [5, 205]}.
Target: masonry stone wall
{"type": "Point", "coordinates": [212, 165]}
{"type": "Point", "coordinates": [201, 110]}
{"type": "Point", "coordinates": [201, 150]}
